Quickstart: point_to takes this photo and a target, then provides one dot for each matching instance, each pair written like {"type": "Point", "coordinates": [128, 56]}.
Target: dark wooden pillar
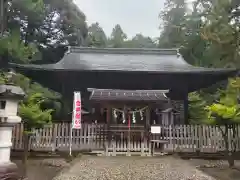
{"type": "Point", "coordinates": [64, 106]}
{"type": "Point", "coordinates": [148, 116]}
{"type": "Point", "coordinates": [108, 119]}
{"type": "Point", "coordinates": [185, 105]}
{"type": "Point", "coordinates": [66, 103]}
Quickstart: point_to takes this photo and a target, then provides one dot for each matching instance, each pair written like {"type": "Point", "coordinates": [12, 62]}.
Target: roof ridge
{"type": "Point", "coordinates": [153, 51]}
{"type": "Point", "coordinates": [130, 90]}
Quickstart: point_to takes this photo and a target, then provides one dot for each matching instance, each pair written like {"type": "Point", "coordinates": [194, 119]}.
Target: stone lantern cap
{"type": "Point", "coordinates": [11, 91]}
{"type": "Point", "coordinates": [10, 96]}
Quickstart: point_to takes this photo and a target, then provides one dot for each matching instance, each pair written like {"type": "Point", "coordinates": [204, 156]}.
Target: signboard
{"type": "Point", "coordinates": [155, 129]}
{"type": "Point", "coordinates": [77, 114]}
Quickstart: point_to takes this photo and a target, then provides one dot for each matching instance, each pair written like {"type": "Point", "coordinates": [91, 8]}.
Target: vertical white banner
{"type": "Point", "coordinates": [77, 111]}
{"type": "Point", "coordinates": [76, 117]}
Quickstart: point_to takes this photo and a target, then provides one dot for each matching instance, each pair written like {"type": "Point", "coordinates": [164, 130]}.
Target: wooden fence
{"type": "Point", "coordinates": [57, 137]}
{"type": "Point", "coordinates": [182, 138]}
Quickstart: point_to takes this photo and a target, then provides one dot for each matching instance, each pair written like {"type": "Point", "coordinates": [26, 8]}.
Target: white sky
{"type": "Point", "coordinates": [134, 16]}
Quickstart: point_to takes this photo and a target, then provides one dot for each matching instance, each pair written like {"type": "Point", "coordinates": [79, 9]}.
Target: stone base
{"type": "Point", "coordinates": [8, 171]}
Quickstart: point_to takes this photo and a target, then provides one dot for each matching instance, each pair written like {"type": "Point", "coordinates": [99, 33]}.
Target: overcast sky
{"type": "Point", "coordinates": [134, 16]}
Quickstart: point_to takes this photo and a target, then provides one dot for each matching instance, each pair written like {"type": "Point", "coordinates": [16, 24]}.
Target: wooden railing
{"type": "Point", "coordinates": [184, 138]}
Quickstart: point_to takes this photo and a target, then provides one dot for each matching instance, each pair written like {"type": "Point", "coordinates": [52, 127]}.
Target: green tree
{"type": "Point", "coordinates": [13, 49]}
{"type": "Point", "coordinates": [40, 32]}
{"type": "Point", "coordinates": [50, 25]}
{"type": "Point", "coordinates": [96, 36]}
{"type": "Point", "coordinates": [33, 116]}
{"type": "Point", "coordinates": [225, 114]}
{"type": "Point", "coordinates": [140, 41]}
{"type": "Point", "coordinates": [3, 11]}
{"type": "Point", "coordinates": [173, 18]}
{"type": "Point", "coordinates": [194, 48]}
{"type": "Point", "coordinates": [221, 30]}
{"type": "Point", "coordinates": [197, 112]}
{"type": "Point", "coordinates": [64, 22]}
{"type": "Point", "coordinates": [203, 33]}
{"type": "Point", "coordinates": [208, 36]}
{"type": "Point", "coordinates": [32, 109]}
{"type": "Point", "coordinates": [52, 99]}
{"type": "Point", "coordinates": [17, 44]}
{"type": "Point", "coordinates": [118, 37]}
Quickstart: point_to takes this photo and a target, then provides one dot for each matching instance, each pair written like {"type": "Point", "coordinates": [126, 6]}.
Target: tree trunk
{"type": "Point", "coordinates": [25, 153]}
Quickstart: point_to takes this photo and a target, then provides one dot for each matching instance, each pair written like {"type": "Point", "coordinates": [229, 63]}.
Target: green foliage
{"type": "Point", "coordinates": [118, 37]}
{"type": "Point", "coordinates": [12, 45]}
{"type": "Point", "coordinates": [226, 113]}
{"type": "Point", "coordinates": [173, 28]}
{"type": "Point", "coordinates": [227, 109]}
{"type": "Point", "coordinates": [33, 87]}
{"type": "Point", "coordinates": [41, 22]}
{"type": "Point", "coordinates": [96, 36]}
{"type": "Point", "coordinates": [197, 113]}
{"type": "Point", "coordinates": [32, 109]}
{"type": "Point", "coordinates": [30, 87]}
{"type": "Point", "coordinates": [140, 41]}
{"type": "Point", "coordinates": [29, 8]}
{"type": "Point", "coordinates": [32, 114]}
{"type": "Point", "coordinates": [2, 78]}
{"type": "Point", "coordinates": [221, 30]}
{"type": "Point", "coordinates": [46, 27]}
{"type": "Point", "coordinates": [52, 99]}
{"type": "Point", "coordinates": [207, 35]}
{"type": "Point", "coordinates": [65, 22]}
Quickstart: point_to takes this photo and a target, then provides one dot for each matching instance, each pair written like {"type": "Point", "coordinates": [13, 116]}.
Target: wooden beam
{"type": "Point", "coordinates": [185, 105]}
{"type": "Point", "coordinates": [148, 116]}
{"type": "Point", "coordinates": [108, 114]}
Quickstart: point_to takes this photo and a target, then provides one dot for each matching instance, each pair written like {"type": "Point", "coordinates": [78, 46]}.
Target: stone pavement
{"type": "Point", "coordinates": [132, 168]}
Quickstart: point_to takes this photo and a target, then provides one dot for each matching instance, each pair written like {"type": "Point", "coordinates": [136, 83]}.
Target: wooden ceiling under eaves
{"type": "Point", "coordinates": [127, 95]}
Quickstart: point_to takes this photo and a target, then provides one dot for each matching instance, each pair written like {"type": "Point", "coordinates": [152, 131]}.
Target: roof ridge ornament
{"type": "Point", "coordinates": [151, 51]}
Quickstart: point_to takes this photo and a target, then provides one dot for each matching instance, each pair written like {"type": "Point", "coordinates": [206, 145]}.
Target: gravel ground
{"type": "Point", "coordinates": [45, 169]}
{"type": "Point", "coordinates": [218, 168]}
{"type": "Point", "coordinates": [129, 168]}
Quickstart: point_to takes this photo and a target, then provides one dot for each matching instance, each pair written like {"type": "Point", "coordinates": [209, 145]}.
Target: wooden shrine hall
{"type": "Point", "coordinates": [130, 115]}
{"type": "Point", "coordinates": [133, 89]}
{"type": "Point", "coordinates": [122, 102]}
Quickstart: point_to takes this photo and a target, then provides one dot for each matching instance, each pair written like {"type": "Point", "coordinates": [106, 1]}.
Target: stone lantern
{"type": "Point", "coordinates": [10, 96]}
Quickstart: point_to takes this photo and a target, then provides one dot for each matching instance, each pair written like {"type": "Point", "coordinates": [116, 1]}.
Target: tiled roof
{"type": "Point", "coordinates": [121, 59]}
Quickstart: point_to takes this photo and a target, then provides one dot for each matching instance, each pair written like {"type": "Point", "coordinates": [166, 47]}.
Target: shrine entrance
{"type": "Point", "coordinates": [128, 118]}
{"type": "Point", "coordinates": [129, 115]}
